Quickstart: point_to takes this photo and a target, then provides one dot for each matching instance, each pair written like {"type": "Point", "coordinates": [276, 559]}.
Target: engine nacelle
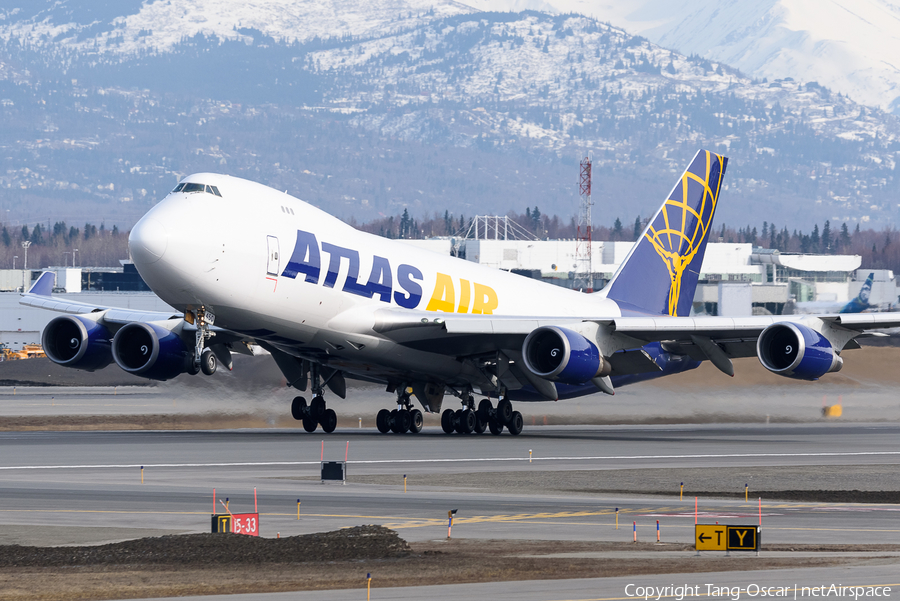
{"type": "Point", "coordinates": [77, 342]}
{"type": "Point", "coordinates": [796, 351]}
{"type": "Point", "coordinates": [150, 351]}
{"type": "Point", "coordinates": [561, 355]}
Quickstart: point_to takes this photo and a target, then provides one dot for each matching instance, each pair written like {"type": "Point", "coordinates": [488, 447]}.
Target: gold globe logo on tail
{"type": "Point", "coordinates": [679, 229]}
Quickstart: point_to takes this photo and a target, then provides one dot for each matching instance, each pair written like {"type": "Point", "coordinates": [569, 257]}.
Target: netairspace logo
{"type": "Point", "coordinates": [680, 592]}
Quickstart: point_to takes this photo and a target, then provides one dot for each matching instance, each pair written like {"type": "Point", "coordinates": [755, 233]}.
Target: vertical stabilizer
{"type": "Point", "coordinates": [660, 274]}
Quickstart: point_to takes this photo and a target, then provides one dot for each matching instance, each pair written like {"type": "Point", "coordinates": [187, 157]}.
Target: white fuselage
{"type": "Point", "coordinates": [274, 267]}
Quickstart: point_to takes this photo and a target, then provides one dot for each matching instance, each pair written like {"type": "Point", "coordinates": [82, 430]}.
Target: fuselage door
{"type": "Point", "coordinates": [272, 263]}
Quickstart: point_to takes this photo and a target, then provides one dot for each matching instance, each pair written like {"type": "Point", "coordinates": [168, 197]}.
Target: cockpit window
{"type": "Point", "coordinates": [190, 187]}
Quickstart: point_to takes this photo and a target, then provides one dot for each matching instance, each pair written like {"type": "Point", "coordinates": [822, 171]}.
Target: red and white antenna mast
{"type": "Point", "coordinates": [584, 274]}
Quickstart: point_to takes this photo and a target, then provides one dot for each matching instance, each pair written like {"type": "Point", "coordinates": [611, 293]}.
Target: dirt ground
{"type": "Point", "coordinates": [206, 564]}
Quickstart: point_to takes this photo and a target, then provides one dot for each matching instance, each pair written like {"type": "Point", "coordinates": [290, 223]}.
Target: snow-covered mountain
{"type": "Point", "coordinates": [128, 27]}
{"type": "Point", "coordinates": [849, 46]}
{"type": "Point", "coordinates": [366, 111]}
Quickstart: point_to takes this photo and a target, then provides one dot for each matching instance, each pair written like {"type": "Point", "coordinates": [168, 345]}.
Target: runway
{"type": "Point", "coordinates": [69, 483]}
{"type": "Point", "coordinates": [730, 586]}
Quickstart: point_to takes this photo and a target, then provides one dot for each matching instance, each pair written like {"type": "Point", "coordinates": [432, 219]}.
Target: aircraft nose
{"type": "Point", "coordinates": [148, 241]}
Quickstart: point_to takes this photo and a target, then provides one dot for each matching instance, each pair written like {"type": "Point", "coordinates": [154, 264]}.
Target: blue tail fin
{"type": "Point", "coordinates": [660, 274]}
{"type": "Point", "coordinates": [44, 284]}
{"type": "Point", "coordinates": [861, 302]}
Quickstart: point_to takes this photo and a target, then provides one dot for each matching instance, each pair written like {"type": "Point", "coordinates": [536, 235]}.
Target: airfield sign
{"type": "Point", "coordinates": [719, 537]}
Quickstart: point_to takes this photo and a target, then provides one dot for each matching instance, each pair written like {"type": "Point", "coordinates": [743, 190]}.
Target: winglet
{"type": "Point", "coordinates": [44, 284]}
{"type": "Point", "coordinates": [660, 274]}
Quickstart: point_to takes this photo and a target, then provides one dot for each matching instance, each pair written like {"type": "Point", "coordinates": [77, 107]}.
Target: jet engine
{"type": "Point", "coordinates": [78, 342]}
{"type": "Point", "coordinates": [561, 355]}
{"type": "Point", "coordinates": [150, 351]}
{"type": "Point", "coordinates": [796, 351]}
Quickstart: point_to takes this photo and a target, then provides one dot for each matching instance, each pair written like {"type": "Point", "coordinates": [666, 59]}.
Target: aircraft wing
{"type": "Point", "coordinates": [736, 336]}
{"type": "Point", "coordinates": [39, 295]}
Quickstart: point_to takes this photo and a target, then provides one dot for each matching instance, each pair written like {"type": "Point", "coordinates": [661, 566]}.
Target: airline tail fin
{"type": "Point", "coordinates": [43, 286]}
{"type": "Point", "coordinates": [861, 302]}
{"type": "Point", "coordinates": [660, 274]}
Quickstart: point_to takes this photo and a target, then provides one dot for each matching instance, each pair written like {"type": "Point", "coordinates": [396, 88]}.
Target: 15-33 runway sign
{"type": "Point", "coordinates": [237, 523]}
{"type": "Point", "coordinates": [719, 537]}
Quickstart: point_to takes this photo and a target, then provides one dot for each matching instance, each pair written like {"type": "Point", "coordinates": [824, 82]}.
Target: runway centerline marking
{"type": "Point", "coordinates": [456, 460]}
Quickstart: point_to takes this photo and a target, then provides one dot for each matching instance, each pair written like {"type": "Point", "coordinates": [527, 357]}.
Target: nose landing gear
{"type": "Point", "coordinates": [203, 358]}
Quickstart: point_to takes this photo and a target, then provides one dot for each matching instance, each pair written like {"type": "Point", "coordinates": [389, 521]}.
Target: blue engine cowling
{"type": "Point", "coordinates": [797, 351]}
{"type": "Point", "coordinates": [150, 351]}
{"type": "Point", "coordinates": [77, 342]}
{"type": "Point", "coordinates": [561, 355]}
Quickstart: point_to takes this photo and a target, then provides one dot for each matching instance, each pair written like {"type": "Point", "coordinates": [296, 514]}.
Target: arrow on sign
{"type": "Point", "coordinates": [703, 538]}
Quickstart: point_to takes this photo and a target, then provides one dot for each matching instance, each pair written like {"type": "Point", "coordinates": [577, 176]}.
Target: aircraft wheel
{"type": "Point", "coordinates": [467, 421]}
{"type": "Point", "coordinates": [393, 420]}
{"type": "Point", "coordinates": [417, 421]}
{"type": "Point", "coordinates": [515, 424]}
{"type": "Point", "coordinates": [504, 411]}
{"type": "Point", "coordinates": [457, 421]}
{"type": "Point", "coordinates": [317, 407]}
{"type": "Point", "coordinates": [309, 423]}
{"type": "Point", "coordinates": [495, 426]}
{"type": "Point", "coordinates": [383, 421]}
{"type": "Point", "coordinates": [208, 362]}
{"type": "Point", "coordinates": [193, 369]}
{"type": "Point", "coordinates": [447, 421]}
{"type": "Point", "coordinates": [405, 420]}
{"type": "Point", "coordinates": [484, 410]}
{"type": "Point", "coordinates": [298, 408]}
{"type": "Point", "coordinates": [480, 424]}
{"type": "Point", "coordinates": [329, 421]}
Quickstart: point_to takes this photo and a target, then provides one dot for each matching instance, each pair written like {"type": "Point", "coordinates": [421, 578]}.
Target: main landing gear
{"type": "Point", "coordinates": [401, 420]}
{"type": "Point", "coordinates": [316, 413]}
{"type": "Point", "coordinates": [468, 420]}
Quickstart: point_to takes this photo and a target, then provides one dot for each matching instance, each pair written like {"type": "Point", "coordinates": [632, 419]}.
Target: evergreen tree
{"type": "Point", "coordinates": [814, 239]}
{"type": "Point", "coordinates": [845, 236]}
{"type": "Point", "coordinates": [7, 239]}
{"type": "Point", "coordinates": [826, 237]}
{"type": "Point", "coordinates": [37, 234]}
{"type": "Point", "coordinates": [536, 221]}
{"type": "Point", "coordinates": [617, 229]}
{"type": "Point", "coordinates": [404, 224]}
{"type": "Point", "coordinates": [637, 228]}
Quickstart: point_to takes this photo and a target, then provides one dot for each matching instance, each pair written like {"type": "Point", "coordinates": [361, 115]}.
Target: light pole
{"type": "Point", "coordinates": [25, 245]}
{"type": "Point", "coordinates": [73, 256]}
{"type": "Point", "coordinates": [14, 261]}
